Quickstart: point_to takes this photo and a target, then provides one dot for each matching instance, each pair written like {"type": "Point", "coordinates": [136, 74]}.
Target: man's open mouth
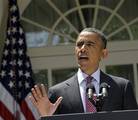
{"type": "Point", "coordinates": [83, 58]}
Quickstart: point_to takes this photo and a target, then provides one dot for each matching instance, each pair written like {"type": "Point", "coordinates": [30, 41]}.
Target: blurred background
{"type": "Point", "coordinates": [51, 28]}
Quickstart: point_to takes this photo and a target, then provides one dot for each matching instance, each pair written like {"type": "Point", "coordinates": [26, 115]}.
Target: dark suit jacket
{"type": "Point", "coordinates": [120, 95]}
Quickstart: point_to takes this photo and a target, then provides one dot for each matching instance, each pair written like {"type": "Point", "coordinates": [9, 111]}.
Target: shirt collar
{"type": "Point", "coordinates": [82, 76]}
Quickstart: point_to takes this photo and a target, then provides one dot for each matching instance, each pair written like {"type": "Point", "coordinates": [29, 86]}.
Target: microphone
{"type": "Point", "coordinates": [104, 89]}
{"type": "Point", "coordinates": [90, 90]}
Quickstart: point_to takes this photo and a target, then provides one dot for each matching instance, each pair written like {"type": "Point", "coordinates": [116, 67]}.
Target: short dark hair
{"type": "Point", "coordinates": [101, 34]}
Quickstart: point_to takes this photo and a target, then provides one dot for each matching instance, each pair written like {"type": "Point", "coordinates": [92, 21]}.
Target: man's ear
{"type": "Point", "coordinates": [105, 53]}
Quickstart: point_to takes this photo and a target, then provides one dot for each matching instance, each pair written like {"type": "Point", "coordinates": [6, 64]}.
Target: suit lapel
{"type": "Point", "coordinates": [104, 78]}
{"type": "Point", "coordinates": [73, 93]}
{"type": "Point", "coordinates": [74, 97]}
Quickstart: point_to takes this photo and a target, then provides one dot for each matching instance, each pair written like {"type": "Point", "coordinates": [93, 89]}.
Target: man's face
{"type": "Point", "coordinates": [89, 51]}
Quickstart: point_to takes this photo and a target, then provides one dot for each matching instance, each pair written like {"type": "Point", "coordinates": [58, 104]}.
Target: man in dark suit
{"type": "Point", "coordinates": [70, 95]}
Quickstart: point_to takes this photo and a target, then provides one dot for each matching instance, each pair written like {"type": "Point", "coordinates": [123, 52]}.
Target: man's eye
{"type": "Point", "coordinates": [89, 44]}
{"type": "Point", "coordinates": [79, 44]}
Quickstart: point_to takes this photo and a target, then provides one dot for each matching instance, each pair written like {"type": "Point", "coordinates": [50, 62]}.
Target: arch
{"type": "Point", "coordinates": [93, 6]}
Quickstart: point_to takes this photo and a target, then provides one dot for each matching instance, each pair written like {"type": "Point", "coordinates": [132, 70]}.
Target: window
{"type": "Point", "coordinates": [62, 74]}
{"type": "Point", "coordinates": [125, 71]}
{"type": "Point", "coordinates": [48, 22]}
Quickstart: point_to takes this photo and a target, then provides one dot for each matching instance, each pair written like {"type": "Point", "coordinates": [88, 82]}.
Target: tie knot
{"type": "Point", "coordinates": [89, 80]}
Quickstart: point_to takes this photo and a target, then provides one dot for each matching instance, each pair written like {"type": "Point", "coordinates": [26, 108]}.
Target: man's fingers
{"type": "Point", "coordinates": [38, 91]}
{"type": "Point", "coordinates": [58, 102]}
{"type": "Point", "coordinates": [35, 96]}
{"type": "Point", "coordinates": [43, 89]}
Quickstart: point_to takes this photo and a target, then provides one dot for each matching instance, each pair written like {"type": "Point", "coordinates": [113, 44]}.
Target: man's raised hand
{"type": "Point", "coordinates": [41, 101]}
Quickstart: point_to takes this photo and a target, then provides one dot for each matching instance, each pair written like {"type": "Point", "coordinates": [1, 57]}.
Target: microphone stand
{"type": "Point", "coordinates": [100, 98]}
{"type": "Point", "coordinates": [98, 103]}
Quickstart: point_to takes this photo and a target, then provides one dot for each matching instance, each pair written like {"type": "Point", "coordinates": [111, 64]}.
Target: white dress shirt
{"type": "Point", "coordinates": [82, 84]}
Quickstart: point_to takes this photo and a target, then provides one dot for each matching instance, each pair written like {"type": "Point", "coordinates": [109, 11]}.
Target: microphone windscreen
{"type": "Point", "coordinates": [103, 89]}
{"type": "Point", "coordinates": [90, 86]}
